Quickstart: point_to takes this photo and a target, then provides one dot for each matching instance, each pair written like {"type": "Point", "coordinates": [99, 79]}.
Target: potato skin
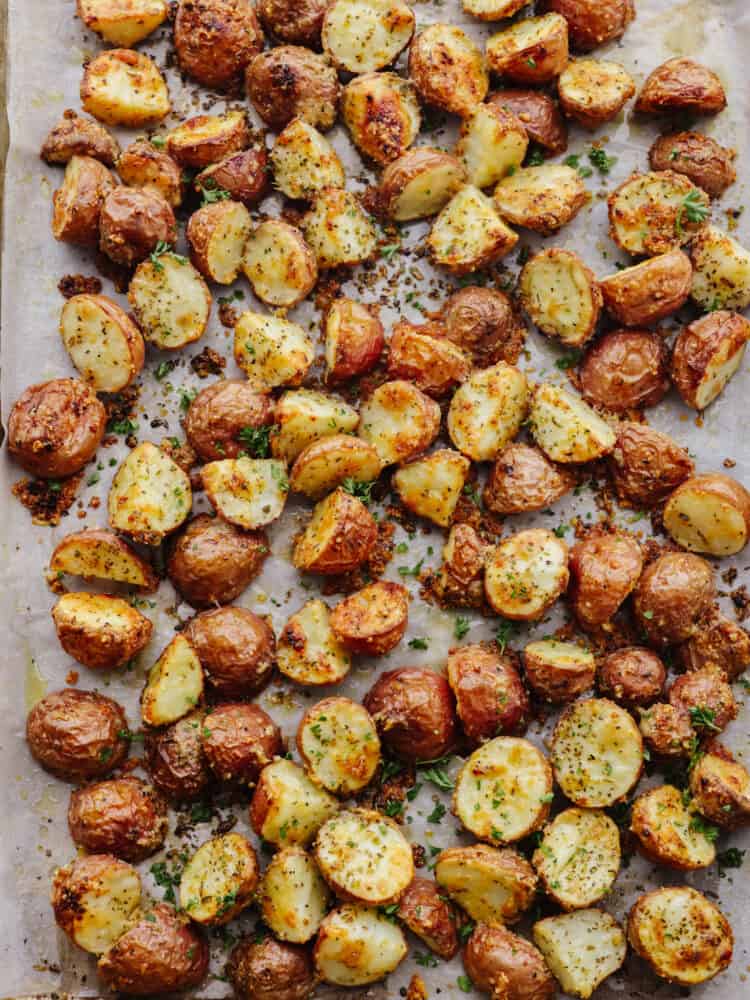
{"type": "Point", "coordinates": [75, 135]}
{"type": "Point", "coordinates": [426, 913]}
{"type": "Point", "coordinates": [211, 561]}
{"type": "Point", "coordinates": [719, 643]}
{"type": "Point", "coordinates": [77, 204]}
{"type": "Point", "coordinates": [625, 369]}
{"type": "Point", "coordinates": [593, 22]}
{"type": "Point", "coordinates": [238, 741]}
{"type": "Point", "coordinates": [647, 465]}
{"type": "Point", "coordinates": [160, 954]}
{"type": "Point", "coordinates": [373, 620]}
{"type": "Point", "coordinates": [104, 647]}
{"type": "Point", "coordinates": [632, 676]}
{"type": "Point", "coordinates": [698, 343]}
{"type": "Point", "coordinates": [681, 84]}
{"type": "Point", "coordinates": [55, 427]}
{"type": "Point", "coordinates": [672, 597]}
{"type": "Point", "coordinates": [123, 816]}
{"type": "Point", "coordinates": [720, 787]}
{"type": "Point", "coordinates": [442, 79]}
{"type": "Point", "coordinates": [553, 682]}
{"type": "Point", "coordinates": [415, 713]}
{"type": "Point", "coordinates": [298, 22]}
{"type": "Point", "coordinates": [271, 970]}
{"type": "Point", "coordinates": [218, 414]}
{"type": "Point", "coordinates": [142, 165]}
{"type": "Point", "coordinates": [490, 697]}
{"type": "Point", "coordinates": [176, 761]}
{"type": "Point", "coordinates": [484, 323]}
{"type": "Point", "coordinates": [347, 545]}
{"type": "Point", "coordinates": [522, 478]}
{"type": "Point", "coordinates": [132, 222]}
{"type": "Point", "coordinates": [667, 730]}
{"type": "Point", "coordinates": [354, 339]}
{"type": "Point", "coordinates": [497, 960]}
{"type": "Point", "coordinates": [216, 39]}
{"type": "Point", "coordinates": [697, 156]}
{"type": "Point", "coordinates": [243, 174]}
{"type": "Point", "coordinates": [434, 366]}
{"type": "Point", "coordinates": [237, 650]}
{"type": "Point", "coordinates": [604, 569]}
{"type": "Point", "coordinates": [77, 734]}
{"type": "Point", "coordinates": [705, 688]}
{"type": "Point", "coordinates": [292, 82]}
{"type": "Point", "coordinates": [538, 114]}
{"type": "Point", "coordinates": [649, 291]}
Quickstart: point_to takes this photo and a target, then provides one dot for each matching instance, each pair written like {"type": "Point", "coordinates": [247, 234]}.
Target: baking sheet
{"type": "Point", "coordinates": [45, 50]}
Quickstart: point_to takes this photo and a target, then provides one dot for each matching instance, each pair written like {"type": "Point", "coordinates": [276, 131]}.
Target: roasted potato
{"type": "Point", "coordinates": [338, 230]}
{"type": "Point", "coordinates": [122, 87]}
{"type": "Point", "coordinates": [399, 421]}
{"type": "Point", "coordinates": [292, 895]}
{"type": "Point", "coordinates": [415, 713]}
{"type": "Point", "coordinates": [682, 935]}
{"type": "Point", "coordinates": [279, 265]}
{"type": "Point", "coordinates": [699, 157]}
{"type": "Point", "coordinates": [326, 462]}
{"type": "Point", "coordinates": [372, 620]}
{"type": "Point", "coordinates": [175, 759]}
{"type": "Point", "coordinates": [354, 339]}
{"type": "Point", "coordinates": [142, 165]}
{"type": "Point", "coordinates": [492, 143]}
{"type": "Point", "coordinates": [666, 730]}
{"type": "Point", "coordinates": [205, 139]}
{"type": "Point", "coordinates": [541, 198]}
{"type": "Point", "coordinates": [632, 676]}
{"type": "Point", "coordinates": [124, 817]}
{"type": "Point", "coordinates": [626, 369]}
{"type": "Point", "coordinates": [103, 342]}
{"type": "Point", "coordinates": [268, 969]}
{"type": "Point", "coordinates": [101, 555]}
{"type": "Point", "coordinates": [55, 427]}
{"type": "Point", "coordinates": [468, 234]}
{"type": "Point", "coordinates": [720, 787]}
{"type": "Point", "coordinates": [160, 953]}
{"type": "Point", "coordinates": [150, 495]}
{"type": "Point", "coordinates": [432, 486]}
{"type": "Point", "coordinates": [561, 296]}
{"type": "Point", "coordinates": [487, 411]}
{"type": "Point", "coordinates": [287, 808]}
{"type": "Point", "coordinates": [419, 183]}
{"type": "Point", "coordinates": [77, 203]}
{"type": "Point", "coordinates": [448, 69]}
{"type": "Point", "coordinates": [578, 857]}
{"type": "Point", "coordinates": [239, 740]}
{"type": "Point", "coordinates": [593, 22]}
{"type": "Point", "coordinates": [429, 916]}
{"type": "Point", "coordinates": [604, 570]}
{"type": "Point", "coordinates": [339, 745]}
{"type": "Point", "coordinates": [526, 573]}
{"type": "Point", "coordinates": [217, 417]}
{"type": "Point", "coordinates": [649, 291]}
{"type": "Point", "coordinates": [309, 652]}
{"type": "Point", "coordinates": [581, 949]}
{"type": "Point", "coordinates": [655, 212]}
{"type": "Point", "coordinates": [681, 84]}
{"type": "Point", "coordinates": [248, 492]}
{"type": "Point", "coordinates": [296, 23]}
{"type": "Point", "coordinates": [707, 698]}
{"type": "Point", "coordinates": [220, 879]}
{"type": "Point", "coordinates": [721, 276]}
{"type": "Point", "coordinates": [596, 752]}
{"type": "Point", "coordinates": [170, 300]}
{"type": "Point", "coordinates": [434, 364]}
{"type": "Point", "coordinates": [647, 465]}
{"type": "Point", "coordinates": [360, 36]}
{"type": "Point", "coordinates": [558, 671]}
{"type": "Point", "coordinates": [706, 354]}
{"type": "Point", "coordinates": [243, 175]}
{"type": "Point", "coordinates": [217, 234]}
{"type": "Point", "coordinates": [495, 885]}
{"type": "Point", "coordinates": [666, 830]}
{"type": "Point", "coordinates": [357, 945]}
{"type": "Point", "coordinates": [338, 538]}
{"type": "Point", "coordinates": [673, 595]}
{"type": "Point", "coordinates": [532, 50]}
{"type": "Point", "coordinates": [77, 735]}
{"type": "Point", "coordinates": [460, 580]}
{"type": "Point", "coordinates": [382, 114]}
{"type": "Point", "coordinates": [539, 116]}
{"type": "Point", "coordinates": [305, 416]}
{"type": "Point", "coordinates": [304, 161]}
{"type": "Point", "coordinates": [133, 222]}
{"type": "Point", "coordinates": [484, 323]}
{"type": "Point", "coordinates": [215, 40]}
{"type": "Point", "coordinates": [75, 135]}
{"type": "Point", "coordinates": [492, 10]}
{"type": "Point", "coordinates": [174, 685]}
{"type": "Point", "coordinates": [496, 958]}
{"type": "Point", "coordinates": [95, 900]}
{"type": "Point", "coordinates": [236, 649]}
{"type": "Point", "coordinates": [100, 631]}
{"type": "Point", "coordinates": [490, 697]}
{"type": "Point", "coordinates": [566, 428]}
{"type": "Point", "coordinates": [721, 643]}
{"type": "Point", "coordinates": [523, 479]}
{"type": "Point", "coordinates": [292, 82]}
{"type": "Point", "coordinates": [594, 91]}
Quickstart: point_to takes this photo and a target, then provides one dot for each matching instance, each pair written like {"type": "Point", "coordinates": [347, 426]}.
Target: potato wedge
{"type": "Point", "coordinates": [205, 139]}
{"type": "Point", "coordinates": [122, 87]}
{"type": "Point", "coordinates": [523, 479]}
{"type": "Point", "coordinates": [491, 144]}
{"type": "Point", "coordinates": [354, 339]}
{"type": "Point", "coordinates": [468, 234]}
{"type": "Point", "coordinates": [308, 651]}
{"type": "Point", "coordinates": [304, 162]}
{"type": "Point", "coordinates": [566, 428]}
{"type": "Point", "coordinates": [361, 36]}
{"type": "Point", "coordinates": [326, 462]}
{"type": "Point", "coordinates": [150, 495]}
{"type": "Point", "coordinates": [382, 114]}
{"type": "Point", "coordinates": [668, 831]}
{"type": "Point", "coordinates": [287, 808]}
{"type": "Point", "coordinates": [720, 787]}
{"type": "Point", "coordinates": [248, 492]}
{"type": "Point", "coordinates": [681, 85]}
{"type": "Point", "coordinates": [706, 354]}
{"type": "Point", "coordinates": [492, 10]}
{"type": "Point", "coordinates": [494, 955]}
{"type": "Point", "coordinates": [293, 896]}
{"type": "Point", "coordinates": [699, 157]}
{"type": "Point", "coordinates": [649, 291]}
{"type": "Point", "coordinates": [372, 620]}
{"type": "Point", "coordinates": [304, 416]}
{"type": "Point", "coordinates": [448, 69]}
{"type": "Point", "coordinates": [279, 265]}
{"type": "Point", "coordinates": [647, 465]}
{"type": "Point", "coordinates": [594, 91]}
{"type": "Point", "coordinates": [123, 22]}
{"type": "Point", "coordinates": [709, 514]}
{"type": "Point", "coordinates": [98, 554]}
{"type": "Point", "coordinates": [578, 857]}
{"type": "Point", "coordinates": [96, 899]}
{"type": "Point", "coordinates": [655, 212]}
{"type": "Point", "coordinates": [245, 175]}
{"type": "Point", "coordinates": [432, 486]}
{"type": "Point", "coordinates": [272, 351]}
{"type": "Point", "coordinates": [561, 296]}
{"type": "Point", "coordinates": [357, 945]}
{"type": "Point", "coordinates": [526, 573]}
{"type": "Point", "coordinates": [77, 203]}
{"type": "Point", "coordinates": [532, 50]}
{"type": "Point", "coordinates": [538, 114]}
{"type": "Point", "coordinates": [219, 881]}
{"type": "Point", "coordinates": [142, 165]}
{"type": "Point", "coordinates": [582, 949]}
{"type": "Point", "coordinates": [593, 22]}
{"type": "Point", "coordinates": [74, 135]}
{"type": "Point", "coordinates": [100, 631]}
{"type": "Point", "coordinates": [491, 884]}
{"type": "Point", "coordinates": [338, 537]}
{"type": "Point", "coordinates": [170, 300]}
{"type": "Point", "coordinates": [338, 230]}
{"type": "Point", "coordinates": [103, 342]}
{"type": "Point", "coordinates": [541, 198]}
{"type": "Point", "coordinates": [419, 183]}
{"type": "Point", "coordinates": [339, 746]}
{"type": "Point", "coordinates": [399, 421]}
{"type": "Point", "coordinates": [490, 697]}
{"type": "Point", "coordinates": [558, 671]}
{"type": "Point", "coordinates": [604, 570]}
{"type": "Point", "coordinates": [217, 234]}
{"type": "Point", "coordinates": [434, 364]}
{"type": "Point", "coordinates": [721, 271]}
{"type": "Point", "coordinates": [430, 917]}
{"type": "Point", "coordinates": [174, 685]}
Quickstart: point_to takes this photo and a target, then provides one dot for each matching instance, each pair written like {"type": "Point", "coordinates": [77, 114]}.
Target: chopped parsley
{"type": "Point", "coordinates": [465, 931]}
{"type": "Point", "coordinates": [389, 250]}
{"type": "Point", "coordinates": [461, 627]}
{"type": "Point", "coordinates": [426, 959]}
{"type": "Point", "coordinates": [418, 643]}
{"type": "Point", "coordinates": [411, 570]}
{"type": "Point", "coordinates": [393, 807]}
{"type": "Point", "coordinates": [159, 141]}
{"type": "Point", "coordinates": [256, 441]}
{"type": "Point", "coordinates": [568, 361]}
{"type": "Point", "coordinates": [361, 490]}
{"type": "Point", "coordinates": [504, 633]}
{"type": "Point", "coordinates": [163, 369]}
{"type": "Point", "coordinates": [535, 157]}
{"type": "Point", "coordinates": [704, 718]}
{"type": "Point", "coordinates": [437, 813]}
{"type": "Point", "coordinates": [126, 427]}
{"type": "Point", "coordinates": [600, 160]}
{"type": "Point", "coordinates": [212, 192]}
{"type": "Point", "coordinates": [733, 857]}
{"type": "Point", "coordinates": [186, 398]}
{"type": "Point", "coordinates": [166, 879]}
{"type": "Point", "coordinates": [693, 209]}
{"type": "Point", "coordinates": [699, 825]}
{"type": "Point", "coordinates": [433, 771]}
{"type": "Point", "coordinates": [465, 984]}
{"type": "Point", "coordinates": [574, 161]}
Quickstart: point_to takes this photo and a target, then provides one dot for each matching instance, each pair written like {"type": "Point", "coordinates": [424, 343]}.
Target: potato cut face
{"type": "Point", "coordinates": [469, 234]}
{"type": "Point", "coordinates": [357, 945]}
{"type": "Point", "coordinates": [337, 229]}
{"type": "Point", "coordinates": [721, 271]}
{"type": "Point", "coordinates": [219, 880]}
{"type": "Point", "coordinates": [372, 620]}
{"type": "Point", "coordinates": [304, 161]}
{"type": "Point", "coordinates": [581, 949]}
{"type": "Point", "coordinates": [248, 492]}
{"type": "Point", "coordinates": [490, 884]}
{"type": "Point", "coordinates": [294, 808]}
{"type": "Point", "coordinates": [308, 651]}
{"type": "Point", "coordinates": [204, 139]}
{"type": "Point", "coordinates": [171, 301]}
{"type": "Point", "coordinates": [448, 69]}
{"type": "Point", "coordinates": [669, 831]}
{"type": "Point", "coordinates": [487, 411]}
{"type": "Point", "coordinates": [593, 91]}
{"type": "Point", "coordinates": [492, 143]}
{"type": "Point", "coordinates": [103, 342]}
{"type": "Point", "coordinates": [99, 630]}
{"type": "Point", "coordinates": [271, 350]}
{"type": "Point", "coordinates": [655, 212]}
{"type": "Point", "coordinates": [558, 671]}
{"type": "Point", "coordinates": [723, 365]}
{"type": "Point", "coordinates": [339, 744]}
{"type": "Point", "coordinates": [325, 463]}
{"type": "Point", "coordinates": [382, 114]}
{"type": "Point", "coordinates": [432, 486]}
{"type": "Point", "coordinates": [542, 198]}
{"type": "Point", "coordinates": [702, 519]}
{"type": "Point", "coordinates": [150, 495]}
{"type": "Point", "coordinates": [293, 896]}
{"type": "Point", "coordinates": [492, 10]}
{"type": "Point", "coordinates": [304, 416]}
{"type": "Point", "coordinates": [532, 50]}
{"type": "Point", "coordinates": [225, 245]}
{"type": "Point", "coordinates": [503, 790]}
{"type": "Point", "coordinates": [566, 428]}
{"type": "Point", "coordinates": [597, 753]}
{"type": "Point", "coordinates": [561, 296]}
{"type": "Point", "coordinates": [338, 537]}
{"type": "Point", "coordinates": [374, 871]}
{"type": "Point", "coordinates": [578, 857]}
{"type": "Point", "coordinates": [526, 573]}
{"type": "Point", "coordinates": [174, 686]}
{"type": "Point", "coordinates": [122, 87]}
{"type": "Point", "coordinates": [106, 902]}
{"type": "Point", "coordinates": [279, 265]}
{"type": "Point", "coordinates": [102, 555]}
{"type": "Point", "coordinates": [420, 183]}
{"type": "Point", "coordinates": [399, 421]}
{"type": "Point", "coordinates": [364, 35]}
{"type": "Point", "coordinates": [123, 22]}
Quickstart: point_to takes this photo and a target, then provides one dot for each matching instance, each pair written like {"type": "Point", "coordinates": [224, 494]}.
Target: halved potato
{"type": "Point", "coordinates": [338, 537]}
{"type": "Point", "coordinates": [492, 10]}
{"type": "Point", "coordinates": [533, 50]}
{"type": "Point", "coordinates": [357, 945]}
{"type": "Point", "coordinates": [382, 114]}
{"type": "Point", "coordinates": [649, 291]}
{"type": "Point", "coordinates": [681, 84]}
{"type": "Point", "coordinates": [310, 87]}
{"type": "Point", "coordinates": [522, 479]}
{"type": "Point", "coordinates": [566, 428]}
{"type": "Point", "coordinates": [219, 881]}
{"type": "Point", "coordinates": [720, 787]}
{"type": "Point", "coordinates": [492, 143]}
{"type": "Point", "coordinates": [150, 495]}
{"type": "Point", "coordinates": [354, 339]}
{"type": "Point", "coordinates": [292, 895]}
{"type": "Point", "coordinates": [469, 234]}
{"type": "Point", "coordinates": [605, 568]}
{"type": "Point", "coordinates": [100, 631]}
{"type": "Point", "coordinates": [448, 68]}
{"type": "Point", "coordinates": [597, 752]}
{"type": "Point", "coordinates": [539, 115]}
{"type": "Point", "coordinates": [705, 161]}
{"type": "Point", "coordinates": [503, 791]}
{"type": "Point", "coordinates": [338, 230]}
{"type": "Point", "coordinates": [122, 87]}
{"type": "Point", "coordinates": [123, 22]}
{"type": "Point", "coordinates": [304, 416]}
{"type": "Point", "coordinates": [581, 949]}
{"type": "Point", "coordinates": [647, 465]}
{"type": "Point", "coordinates": [271, 350]}
{"type": "Point", "coordinates": [326, 462]}
{"type": "Point", "coordinates": [491, 884]}
{"type": "Point", "coordinates": [667, 832]}
{"type": "Point", "coordinates": [96, 899]}
{"type": "Point", "coordinates": [399, 421]}
{"type": "Point", "coordinates": [244, 175]}
{"type": "Point", "coordinates": [432, 486]}
{"type": "Point", "coordinates": [430, 916]}
{"type": "Point", "coordinates": [217, 234]}
{"type": "Point", "coordinates": [419, 183]}
{"type": "Point", "coordinates": [709, 513]}
{"type": "Point", "coordinates": [594, 91]}
{"type": "Point", "coordinates": [278, 263]}
{"type": "Point", "coordinates": [102, 555]}
{"type": "Point", "coordinates": [526, 573]}
{"type": "Point", "coordinates": [103, 342]}
{"type": "Point", "coordinates": [364, 857]}
{"type": "Point", "coordinates": [338, 743]}
{"type": "Point", "coordinates": [656, 212]}
{"type": "Point", "coordinates": [143, 165]}
{"type": "Point", "coordinates": [77, 203]}
{"type": "Point", "coordinates": [304, 161]}
{"type": "Point", "coordinates": [561, 296]}
{"type": "Point", "coordinates": [578, 857]}
{"type": "Point", "coordinates": [170, 300]}
{"type": "Point", "coordinates": [360, 36]}
{"type": "Point", "coordinates": [287, 808]}
{"type": "Point", "coordinates": [434, 364]}
{"type": "Point", "coordinates": [73, 135]}
{"type": "Point", "coordinates": [490, 697]}
{"type": "Point", "coordinates": [558, 671]}
{"type": "Point", "coordinates": [706, 354]}
{"type": "Point", "coordinates": [721, 275]}
{"type": "Point", "coordinates": [308, 651]}
{"type": "Point", "coordinates": [541, 198]}
{"type": "Point", "coordinates": [174, 685]}
{"type": "Point", "coordinates": [248, 492]}
{"type": "Point", "coordinates": [372, 620]}
{"type": "Point", "coordinates": [205, 139]}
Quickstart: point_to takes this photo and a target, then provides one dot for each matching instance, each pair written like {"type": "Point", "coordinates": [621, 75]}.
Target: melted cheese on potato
{"type": "Point", "coordinates": [490, 884]}
{"type": "Point", "coordinates": [174, 686]}
{"type": "Point", "coordinates": [293, 896]}
{"type": "Point", "coordinates": [581, 949]}
{"type": "Point", "coordinates": [308, 652]}
{"type": "Point", "coordinates": [357, 945]}
{"type": "Point", "coordinates": [487, 411]}
{"type": "Point", "coordinates": [656, 212]}
{"type": "Point", "coordinates": [578, 857]}
{"type": "Point", "coordinates": [566, 428]}
{"type": "Point", "coordinates": [339, 745]}
{"type": "Point", "coordinates": [432, 486]}
{"type": "Point", "coordinates": [382, 114]}
{"type": "Point", "coordinates": [272, 350]}
{"type": "Point", "coordinates": [150, 495]}
{"type": "Point", "coordinates": [248, 492]}
{"type": "Point", "coordinates": [287, 807]}
{"type": "Point", "coordinates": [171, 301]}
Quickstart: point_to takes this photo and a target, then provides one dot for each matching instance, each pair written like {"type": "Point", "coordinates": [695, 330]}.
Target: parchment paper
{"type": "Point", "coordinates": [46, 48]}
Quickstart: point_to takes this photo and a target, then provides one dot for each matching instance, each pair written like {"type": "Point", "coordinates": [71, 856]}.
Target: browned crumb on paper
{"type": "Point", "coordinates": [120, 407]}
{"type": "Point", "coordinates": [416, 990]}
{"type": "Point", "coordinates": [228, 315]}
{"type": "Point", "coordinates": [741, 600]}
{"type": "Point", "coordinates": [181, 452]}
{"type": "Point", "coordinates": [208, 362]}
{"type": "Point", "coordinates": [79, 284]}
{"type": "Point", "coordinates": [48, 500]}
{"type": "Point", "coordinates": [389, 790]}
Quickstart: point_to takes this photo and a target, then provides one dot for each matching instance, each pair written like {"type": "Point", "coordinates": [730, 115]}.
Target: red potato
{"type": "Point", "coordinates": [427, 913]}
{"type": "Point", "coordinates": [721, 643]}
{"type": "Point", "coordinates": [681, 85]}
{"type": "Point", "coordinates": [604, 569]}
{"type": "Point", "coordinates": [593, 22]}
{"type": "Point", "coordinates": [522, 478]}
{"type": "Point", "coordinates": [632, 676]}
{"type": "Point", "coordinates": [625, 369]}
{"type": "Point", "coordinates": [372, 620]}
{"type": "Point", "coordinates": [706, 354]}
{"type": "Point", "coordinates": [433, 364]}
{"type": "Point", "coordinates": [648, 291]}
{"type": "Point", "coordinates": [647, 465]}
{"type": "Point", "coordinates": [484, 323]}
{"type": "Point", "coordinates": [338, 537]}
{"type": "Point", "coordinates": [354, 339]}
{"type": "Point", "coordinates": [506, 965]}
{"type": "Point", "coordinates": [720, 787]}
{"type": "Point", "coordinates": [709, 514]}
{"type": "Point", "coordinates": [133, 222]}
{"type": "Point", "coordinates": [245, 174]}
{"type": "Point", "coordinates": [706, 697]}
{"type": "Point", "coordinates": [236, 649]}
{"type": "Point", "coordinates": [558, 671]}
{"type": "Point", "coordinates": [538, 114]}
{"type": "Point", "coordinates": [667, 730]}
{"type": "Point", "coordinates": [77, 203]}
{"type": "Point", "coordinates": [415, 713]}
{"type": "Point", "coordinates": [175, 759]}
{"type": "Point", "coordinates": [238, 741]}
{"type": "Point", "coordinates": [673, 596]}
{"type": "Point", "coordinates": [215, 40]}
{"type": "Point", "coordinates": [123, 816]}
{"type": "Point", "coordinates": [490, 697]}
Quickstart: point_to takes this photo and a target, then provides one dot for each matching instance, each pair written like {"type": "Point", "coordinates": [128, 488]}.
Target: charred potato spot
{"type": "Point", "coordinates": [220, 413]}
{"type": "Point", "coordinates": [523, 479]}
{"type": "Point", "coordinates": [124, 817]}
{"type": "Point", "coordinates": [287, 808]}
{"type": "Point", "coordinates": [647, 465]}
{"type": "Point", "coordinates": [561, 295]}
{"type": "Point", "coordinates": [239, 740]}
{"type": "Point", "coordinates": [541, 198]}
{"type": "Point", "coordinates": [578, 857]}
{"type": "Point", "coordinates": [132, 224]}
{"type": "Point", "coordinates": [433, 364]}
{"type": "Point", "coordinates": [338, 538]}
{"type": "Point", "coordinates": [487, 411]}
{"type": "Point", "coordinates": [142, 165]}
{"type": "Point", "coordinates": [649, 291]}
{"type": "Point", "coordinates": [681, 85]}
{"type": "Point", "coordinates": [170, 300]}
{"type": "Point", "coordinates": [494, 956]}
{"type": "Point", "coordinates": [95, 899]}
{"type": "Point", "coordinates": [216, 39]}
{"type": "Point", "coordinates": [593, 22]}
{"type": "Point", "coordinates": [558, 671]}
{"type": "Point", "coordinates": [604, 570]}
{"type": "Point", "coordinates": [150, 495]}
{"type": "Point", "coordinates": [339, 745]}
{"type": "Point", "coordinates": [74, 135]}
{"type": "Point", "coordinates": [581, 949]}
{"type": "Point", "coordinates": [594, 91]}
{"type": "Point", "coordinates": [279, 264]}
{"type": "Point", "coordinates": [304, 161]}
{"type": "Point", "coordinates": [219, 881]}
{"type": "Point", "coordinates": [360, 36]}
{"type": "Point", "coordinates": [372, 620]}
{"type": "Point", "coordinates": [100, 631]}
{"type": "Point", "coordinates": [236, 649]}
{"type": "Point", "coordinates": [533, 50]}
{"type": "Point", "coordinates": [656, 212]}
{"type": "Point", "coordinates": [77, 204]}
{"type": "Point", "coordinates": [293, 897]}
{"type": "Point", "coordinates": [699, 157]}
{"type": "Point", "coordinates": [525, 574]}
{"type": "Point", "coordinates": [415, 713]}
{"type": "Point", "coordinates": [448, 69]}
{"type": "Point", "coordinates": [673, 595]}
{"type": "Point", "coordinates": [122, 87]}
{"type": "Point", "coordinates": [357, 945]}
{"type": "Point", "coordinates": [309, 651]}
{"type": "Point", "coordinates": [539, 116]}
{"type": "Point", "coordinates": [632, 676]}
{"type": "Point", "coordinates": [667, 831]}
{"type": "Point", "coordinates": [491, 884]}
{"type": "Point", "coordinates": [382, 114]}
{"type": "Point", "coordinates": [706, 354]}
{"type": "Point", "coordinates": [490, 696]}
{"type": "Point", "coordinates": [271, 970]}
{"type": "Point", "coordinates": [205, 139]}
{"type": "Point", "coordinates": [624, 370]}
{"type": "Point", "coordinates": [291, 82]}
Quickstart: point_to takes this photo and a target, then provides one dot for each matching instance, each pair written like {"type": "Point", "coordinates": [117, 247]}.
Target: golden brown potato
{"type": "Point", "coordinates": [170, 300]}
{"type": "Point", "coordinates": [100, 631]}
{"type": "Point", "coordinates": [647, 465]}
{"type": "Point", "coordinates": [339, 747]}
{"type": "Point", "coordinates": [720, 643]}
{"type": "Point", "coordinates": [681, 84]}
{"type": "Point", "coordinates": [666, 730]}
{"type": "Point", "coordinates": [581, 948]}
{"type": "Point", "coordinates": [293, 898]}
{"type": "Point", "coordinates": [487, 411]}
{"type": "Point", "coordinates": [538, 114]}
{"type": "Point", "coordinates": [428, 915]}
{"type": "Point", "coordinates": [75, 135]}
{"type": "Point", "coordinates": [720, 787]}
{"type": "Point", "coordinates": [498, 960]}
{"type": "Point", "coordinates": [123, 87]}
{"type": "Point", "coordinates": [372, 620]}
{"type": "Point", "coordinates": [399, 421]}
{"type": "Point", "coordinates": [484, 323]}
{"type": "Point", "coordinates": [561, 295]}
{"type": "Point", "coordinates": [448, 69]}
{"type": "Point", "coordinates": [558, 671]}
{"type": "Point", "coordinates": [492, 142]}
{"type": "Point", "coordinates": [594, 91]}
{"type": "Point", "coordinates": [469, 234]}
{"type": "Point", "coordinates": [279, 264]}
{"type": "Point", "coordinates": [578, 857]}
{"type": "Point", "coordinates": [492, 10]}
{"type": "Point", "coordinates": [217, 234]}
{"type": "Point", "coordinates": [566, 428]}
{"type": "Point", "coordinates": [287, 808]}
{"type": "Point", "coordinates": [707, 698]}
{"type": "Point", "coordinates": [491, 884]}
{"type": "Point", "coordinates": [526, 573]}
{"type": "Point", "coordinates": [382, 114]}
{"type": "Point", "coordinates": [665, 829]}
{"type": "Point", "coordinates": [123, 22]}
{"type": "Point", "coordinates": [142, 165]}
{"type": "Point", "coordinates": [77, 735]}
{"type": "Point", "coordinates": [338, 538]}
{"type": "Point", "coordinates": [655, 212]}
{"type": "Point", "coordinates": [431, 486]}
{"type": "Point", "coordinates": [543, 198]}
{"type": "Point", "coordinates": [419, 183]}
{"type": "Point", "coordinates": [522, 479]}
{"type": "Point", "coordinates": [604, 569]}
{"type": "Point", "coordinates": [99, 554]}
{"type": "Point", "coordinates": [305, 416]}
{"type": "Point", "coordinates": [415, 713]}
{"type": "Point", "coordinates": [77, 204]}
{"type": "Point", "coordinates": [220, 879]}
{"type": "Point", "coordinates": [238, 741]}
{"type": "Point", "coordinates": [338, 230]}
{"type": "Point", "coordinates": [175, 759]}
{"type": "Point", "coordinates": [304, 162]}
{"type": "Point", "coordinates": [360, 36]}
{"type": "Point", "coordinates": [236, 649]}
{"type": "Point", "coordinates": [354, 339]}
{"type": "Point", "coordinates": [174, 684]}
{"type": "Point", "coordinates": [95, 899]}
{"type": "Point", "coordinates": [632, 676]}
{"type": "Point", "coordinates": [649, 291]}
{"type": "Point", "coordinates": [160, 953]}
{"type": "Point", "coordinates": [215, 40]}
{"type": "Point", "coordinates": [698, 157]}
{"type": "Point", "coordinates": [532, 50]}
{"type": "Point", "coordinates": [102, 341]}
{"type": "Point", "coordinates": [133, 222]}
{"type": "Point", "coordinates": [706, 354]}
{"type": "Point", "coordinates": [709, 514]}
{"type": "Point", "coordinates": [219, 414]}
{"type": "Point", "coordinates": [123, 816]}
{"type": "Point", "coordinates": [55, 427]}
{"type": "Point", "coordinates": [150, 495]}
{"type": "Point", "coordinates": [434, 364]}
{"type": "Point", "coordinates": [243, 175]}
{"type": "Point", "coordinates": [358, 945]}
{"type": "Point", "coordinates": [298, 22]}
{"type": "Point", "coordinates": [490, 696]}
{"type": "Point", "coordinates": [206, 139]}
{"type": "Point", "coordinates": [593, 22]}
{"type": "Point", "coordinates": [268, 969]}
{"type": "Point", "coordinates": [292, 82]}
{"type": "Point", "coordinates": [625, 369]}
{"type": "Point", "coordinates": [721, 275]}
{"type": "Point", "coordinates": [460, 583]}
{"type": "Point", "coordinates": [672, 597]}
{"type": "Point", "coordinates": [326, 462]}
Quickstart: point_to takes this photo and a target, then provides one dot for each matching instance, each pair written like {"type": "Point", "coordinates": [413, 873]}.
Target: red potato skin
{"type": "Point", "coordinates": [592, 22]}
{"type": "Point", "coordinates": [625, 369]}
{"type": "Point", "coordinates": [538, 114]}
{"type": "Point", "coordinates": [632, 676]}
{"type": "Point", "coordinates": [698, 157]}
{"type": "Point", "coordinates": [415, 713]}
{"type": "Point", "coordinates": [75, 135]}
{"type": "Point", "coordinates": [238, 741]}
{"type": "Point", "coordinates": [720, 643]}
{"type": "Point", "coordinates": [522, 478]}
{"type": "Point", "coordinates": [706, 688]}
{"type": "Point", "coordinates": [490, 697]}
{"type": "Point", "coordinates": [359, 342]}
{"type": "Point", "coordinates": [667, 730]}
{"type": "Point", "coordinates": [673, 596]}
{"type": "Point", "coordinates": [216, 39]}
{"type": "Point", "coordinates": [484, 323]}
{"type": "Point", "coordinates": [681, 84]}
{"type": "Point", "coordinates": [699, 342]}
{"type": "Point", "coordinates": [662, 284]}
{"type": "Point", "coordinates": [604, 569]}
{"type": "Point", "coordinates": [132, 222]}
{"type": "Point", "coordinates": [296, 22]}
{"type": "Point", "coordinates": [237, 650]}
{"type": "Point", "coordinates": [427, 914]}
{"type": "Point", "coordinates": [175, 759]}
{"type": "Point", "coordinates": [244, 175]}
{"type": "Point", "coordinates": [271, 970]}
{"type": "Point", "coordinates": [218, 414]}
{"type": "Point", "coordinates": [123, 816]}
{"type": "Point", "coordinates": [434, 366]}
{"type": "Point", "coordinates": [646, 465]}
{"type": "Point", "coordinates": [723, 800]}
{"type": "Point", "coordinates": [76, 206]}
{"type": "Point", "coordinates": [495, 957]}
